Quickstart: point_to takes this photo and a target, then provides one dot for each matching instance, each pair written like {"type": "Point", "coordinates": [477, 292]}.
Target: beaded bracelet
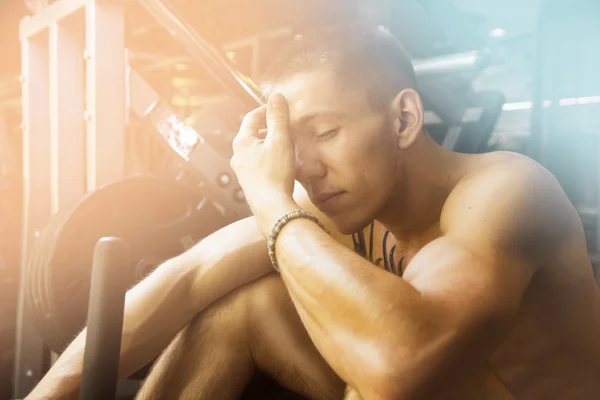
{"type": "Point", "coordinates": [281, 222]}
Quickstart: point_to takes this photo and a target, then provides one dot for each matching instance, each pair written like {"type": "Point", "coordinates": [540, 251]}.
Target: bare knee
{"type": "Point", "coordinates": [231, 318]}
{"type": "Point", "coordinates": [245, 308]}
{"type": "Point", "coordinates": [235, 314]}
{"type": "Point", "coordinates": [270, 309]}
{"type": "Point", "coordinates": [268, 295]}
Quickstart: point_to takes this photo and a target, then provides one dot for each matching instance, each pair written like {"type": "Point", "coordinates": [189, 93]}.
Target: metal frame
{"type": "Point", "coordinates": [7, 159]}
{"type": "Point", "coordinates": [68, 150]}
{"type": "Point", "coordinates": [254, 42]}
{"type": "Point", "coordinates": [241, 88]}
{"type": "Point", "coordinates": [217, 176]}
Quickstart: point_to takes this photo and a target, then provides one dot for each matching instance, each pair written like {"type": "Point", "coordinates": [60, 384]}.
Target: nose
{"type": "Point", "coordinates": [308, 164]}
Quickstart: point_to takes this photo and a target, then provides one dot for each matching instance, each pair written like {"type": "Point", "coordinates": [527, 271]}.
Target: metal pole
{"type": "Point", "coordinates": [29, 349]}
{"type": "Point", "coordinates": [105, 320]}
{"type": "Point", "coordinates": [241, 87]}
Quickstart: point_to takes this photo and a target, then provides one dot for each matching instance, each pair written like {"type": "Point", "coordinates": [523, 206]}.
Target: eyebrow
{"type": "Point", "coordinates": [305, 119]}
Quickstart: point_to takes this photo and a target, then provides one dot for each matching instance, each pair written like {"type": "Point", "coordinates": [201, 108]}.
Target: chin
{"type": "Point", "coordinates": [347, 226]}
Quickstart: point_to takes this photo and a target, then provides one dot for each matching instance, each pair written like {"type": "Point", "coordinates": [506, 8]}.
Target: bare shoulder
{"type": "Point", "coordinates": [510, 203]}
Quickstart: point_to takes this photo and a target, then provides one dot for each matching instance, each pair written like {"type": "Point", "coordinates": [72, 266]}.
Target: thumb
{"type": "Point", "coordinates": [277, 116]}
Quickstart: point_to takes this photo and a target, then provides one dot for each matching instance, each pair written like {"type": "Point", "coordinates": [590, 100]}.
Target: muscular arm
{"type": "Point", "coordinates": [163, 303]}
{"type": "Point", "coordinates": [392, 338]}
{"type": "Point", "coordinates": [158, 307]}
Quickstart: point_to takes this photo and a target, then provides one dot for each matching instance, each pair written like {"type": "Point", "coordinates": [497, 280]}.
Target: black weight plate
{"type": "Point", "coordinates": [157, 218]}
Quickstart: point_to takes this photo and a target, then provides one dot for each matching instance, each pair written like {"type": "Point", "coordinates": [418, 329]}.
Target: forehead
{"type": "Point", "coordinates": [321, 93]}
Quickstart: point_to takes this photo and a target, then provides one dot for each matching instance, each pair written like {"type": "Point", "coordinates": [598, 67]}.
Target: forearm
{"type": "Point", "coordinates": [155, 310]}
{"type": "Point", "coordinates": [230, 258]}
{"type": "Point", "coordinates": [359, 316]}
{"type": "Point", "coordinates": [162, 304]}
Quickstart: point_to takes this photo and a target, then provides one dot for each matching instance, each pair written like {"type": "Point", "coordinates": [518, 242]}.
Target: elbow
{"type": "Point", "coordinates": [421, 368]}
{"type": "Point", "coordinates": [392, 381]}
{"type": "Point", "coordinates": [407, 377]}
{"type": "Point", "coordinates": [390, 387]}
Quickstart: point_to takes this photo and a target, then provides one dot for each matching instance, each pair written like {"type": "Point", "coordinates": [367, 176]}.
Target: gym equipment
{"type": "Point", "coordinates": [241, 88]}
{"type": "Point", "coordinates": [158, 218]}
{"type": "Point", "coordinates": [466, 65]}
{"type": "Point", "coordinates": [73, 63]}
{"type": "Point", "coordinates": [105, 320]}
{"type": "Point", "coordinates": [564, 114]}
{"type": "Point", "coordinates": [197, 156]}
{"type": "Point", "coordinates": [472, 132]}
{"type": "Point", "coordinates": [7, 158]}
{"type": "Point", "coordinates": [69, 104]}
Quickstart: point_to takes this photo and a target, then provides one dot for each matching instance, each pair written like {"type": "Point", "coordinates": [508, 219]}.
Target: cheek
{"type": "Point", "coordinates": [367, 170]}
{"type": "Point", "coordinates": [372, 162]}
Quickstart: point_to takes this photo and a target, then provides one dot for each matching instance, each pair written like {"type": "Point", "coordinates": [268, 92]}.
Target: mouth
{"type": "Point", "coordinates": [328, 200]}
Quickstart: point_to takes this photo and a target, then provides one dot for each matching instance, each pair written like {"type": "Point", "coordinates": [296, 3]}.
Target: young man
{"type": "Point", "coordinates": [487, 290]}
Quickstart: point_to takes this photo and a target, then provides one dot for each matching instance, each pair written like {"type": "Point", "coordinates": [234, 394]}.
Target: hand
{"type": "Point", "coordinates": [265, 165]}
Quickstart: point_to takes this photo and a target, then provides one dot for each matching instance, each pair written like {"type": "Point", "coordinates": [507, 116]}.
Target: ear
{"type": "Point", "coordinates": [407, 111]}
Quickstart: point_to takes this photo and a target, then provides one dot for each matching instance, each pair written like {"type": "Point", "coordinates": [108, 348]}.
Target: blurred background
{"type": "Point", "coordinates": [517, 75]}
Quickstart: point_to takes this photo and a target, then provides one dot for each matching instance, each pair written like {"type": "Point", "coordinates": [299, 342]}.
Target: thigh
{"type": "Point", "coordinates": [281, 346]}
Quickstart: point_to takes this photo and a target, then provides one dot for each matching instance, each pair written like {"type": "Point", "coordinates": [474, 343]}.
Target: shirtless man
{"type": "Point", "coordinates": [487, 290]}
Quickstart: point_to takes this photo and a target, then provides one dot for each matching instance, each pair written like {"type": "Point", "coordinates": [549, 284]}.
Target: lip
{"type": "Point", "coordinates": [328, 200]}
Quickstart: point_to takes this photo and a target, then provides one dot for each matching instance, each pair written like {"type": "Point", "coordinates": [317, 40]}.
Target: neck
{"type": "Point", "coordinates": [426, 175]}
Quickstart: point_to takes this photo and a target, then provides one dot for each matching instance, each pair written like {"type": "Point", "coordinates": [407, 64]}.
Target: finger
{"type": "Point", "coordinates": [253, 121]}
{"type": "Point", "coordinates": [261, 134]}
{"type": "Point", "coordinates": [238, 143]}
{"type": "Point", "coordinates": [277, 116]}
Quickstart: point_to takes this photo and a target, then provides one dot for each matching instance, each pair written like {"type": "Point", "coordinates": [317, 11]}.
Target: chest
{"type": "Point", "coordinates": [378, 245]}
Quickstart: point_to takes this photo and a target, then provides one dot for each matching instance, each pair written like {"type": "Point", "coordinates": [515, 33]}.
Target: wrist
{"type": "Point", "coordinates": [273, 211]}
{"type": "Point", "coordinates": [280, 225]}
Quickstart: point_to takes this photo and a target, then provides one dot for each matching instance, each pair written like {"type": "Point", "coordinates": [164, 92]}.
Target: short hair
{"type": "Point", "coordinates": [367, 56]}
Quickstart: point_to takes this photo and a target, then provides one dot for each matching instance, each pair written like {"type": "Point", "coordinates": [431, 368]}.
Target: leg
{"type": "Point", "coordinates": [206, 360]}
{"type": "Point", "coordinates": [254, 327]}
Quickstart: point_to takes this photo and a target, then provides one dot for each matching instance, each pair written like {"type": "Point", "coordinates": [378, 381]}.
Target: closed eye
{"type": "Point", "coordinates": [329, 134]}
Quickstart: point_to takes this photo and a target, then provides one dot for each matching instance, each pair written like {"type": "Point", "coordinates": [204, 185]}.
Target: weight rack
{"type": "Point", "coordinates": [73, 85]}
